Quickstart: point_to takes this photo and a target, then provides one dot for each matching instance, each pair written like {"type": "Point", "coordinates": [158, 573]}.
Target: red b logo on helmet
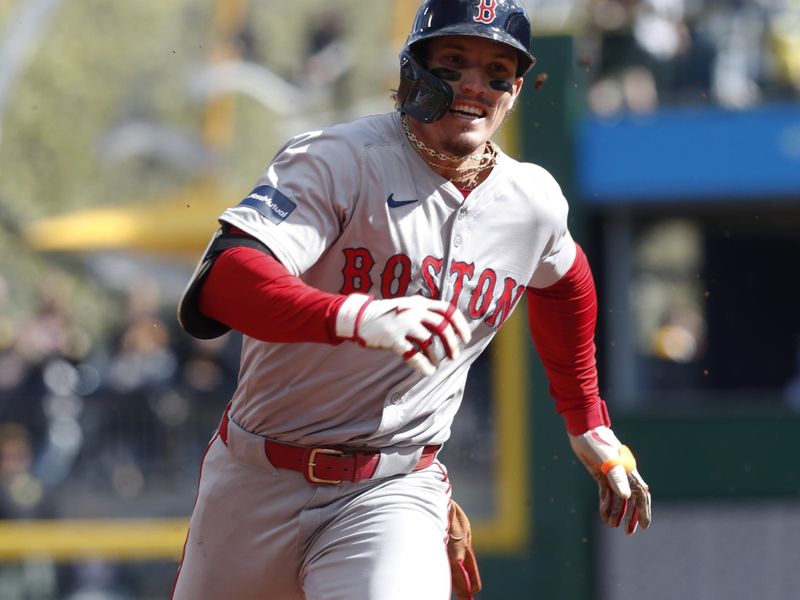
{"type": "Point", "coordinates": [486, 12]}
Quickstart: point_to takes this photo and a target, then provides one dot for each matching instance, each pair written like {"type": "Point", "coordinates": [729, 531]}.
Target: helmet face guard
{"type": "Point", "coordinates": [422, 95]}
{"type": "Point", "coordinates": [425, 96]}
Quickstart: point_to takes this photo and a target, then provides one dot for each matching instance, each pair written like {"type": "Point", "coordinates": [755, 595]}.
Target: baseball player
{"type": "Point", "coordinates": [368, 268]}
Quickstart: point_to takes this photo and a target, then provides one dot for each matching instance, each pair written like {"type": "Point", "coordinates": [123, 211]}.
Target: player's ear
{"type": "Point", "coordinates": [517, 88]}
{"type": "Point", "coordinates": [515, 92]}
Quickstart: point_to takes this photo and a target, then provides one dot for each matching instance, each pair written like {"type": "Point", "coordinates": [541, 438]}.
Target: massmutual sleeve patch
{"type": "Point", "coordinates": [270, 203]}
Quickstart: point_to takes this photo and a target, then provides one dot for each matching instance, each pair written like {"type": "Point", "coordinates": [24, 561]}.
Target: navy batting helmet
{"type": "Point", "coordinates": [425, 96]}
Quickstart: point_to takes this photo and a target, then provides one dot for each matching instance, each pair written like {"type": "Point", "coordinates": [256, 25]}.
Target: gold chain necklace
{"type": "Point", "coordinates": [423, 148]}
{"type": "Point", "coordinates": [468, 176]}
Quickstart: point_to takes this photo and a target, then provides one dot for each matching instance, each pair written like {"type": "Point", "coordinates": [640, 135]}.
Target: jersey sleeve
{"type": "Point", "coordinates": [559, 251]}
{"type": "Point", "coordinates": [562, 320]}
{"type": "Point", "coordinates": [253, 293]}
{"type": "Point", "coordinates": [303, 200]}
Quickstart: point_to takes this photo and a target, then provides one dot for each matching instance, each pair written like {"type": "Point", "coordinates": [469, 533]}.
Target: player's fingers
{"type": "Point", "coordinates": [619, 507]}
{"type": "Point", "coordinates": [418, 333]}
{"type": "Point", "coordinates": [618, 480]}
{"type": "Point", "coordinates": [612, 506]}
{"type": "Point", "coordinates": [633, 519]}
{"type": "Point", "coordinates": [606, 498]}
{"type": "Point", "coordinates": [411, 354]}
{"type": "Point", "coordinates": [424, 345]}
{"type": "Point", "coordinates": [459, 323]}
{"type": "Point", "coordinates": [415, 359]}
{"type": "Point", "coordinates": [645, 511]}
{"type": "Point", "coordinates": [447, 328]}
{"type": "Point", "coordinates": [642, 498]}
{"type": "Point", "coordinates": [455, 318]}
{"type": "Point", "coordinates": [444, 331]}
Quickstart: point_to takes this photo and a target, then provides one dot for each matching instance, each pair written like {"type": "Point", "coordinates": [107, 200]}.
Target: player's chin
{"type": "Point", "coordinates": [468, 142]}
{"type": "Point", "coordinates": [476, 130]}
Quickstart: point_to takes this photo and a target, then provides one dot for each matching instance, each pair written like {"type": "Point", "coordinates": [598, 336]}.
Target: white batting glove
{"type": "Point", "coordinates": [622, 489]}
{"type": "Point", "coordinates": [407, 326]}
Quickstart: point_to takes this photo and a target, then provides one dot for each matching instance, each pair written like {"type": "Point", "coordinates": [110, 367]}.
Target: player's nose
{"type": "Point", "coordinates": [473, 80]}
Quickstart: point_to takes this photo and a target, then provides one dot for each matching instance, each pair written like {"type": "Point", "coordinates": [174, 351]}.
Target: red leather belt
{"type": "Point", "coordinates": [327, 465]}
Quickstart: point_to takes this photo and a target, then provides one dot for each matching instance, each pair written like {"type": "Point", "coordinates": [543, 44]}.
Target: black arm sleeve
{"type": "Point", "coordinates": [194, 322]}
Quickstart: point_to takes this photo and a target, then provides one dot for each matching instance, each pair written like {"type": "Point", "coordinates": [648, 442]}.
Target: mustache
{"type": "Point", "coordinates": [481, 100]}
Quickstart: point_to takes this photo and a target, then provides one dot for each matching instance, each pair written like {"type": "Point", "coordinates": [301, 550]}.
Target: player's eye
{"type": "Point", "coordinates": [500, 69]}
{"type": "Point", "coordinates": [454, 60]}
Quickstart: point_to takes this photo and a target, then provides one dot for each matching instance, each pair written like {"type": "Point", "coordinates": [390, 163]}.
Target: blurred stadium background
{"type": "Point", "coordinates": [674, 128]}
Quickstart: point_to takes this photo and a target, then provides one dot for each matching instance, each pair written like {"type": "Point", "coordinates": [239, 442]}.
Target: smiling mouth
{"type": "Point", "coordinates": [468, 111]}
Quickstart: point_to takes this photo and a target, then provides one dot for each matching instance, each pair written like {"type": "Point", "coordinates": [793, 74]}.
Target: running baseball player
{"type": "Point", "coordinates": [368, 268]}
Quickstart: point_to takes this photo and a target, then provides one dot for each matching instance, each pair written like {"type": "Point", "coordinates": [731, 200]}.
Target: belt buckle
{"type": "Point", "coordinates": [310, 464]}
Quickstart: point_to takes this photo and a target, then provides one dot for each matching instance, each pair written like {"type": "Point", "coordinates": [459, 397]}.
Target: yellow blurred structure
{"type": "Point", "coordinates": [176, 225]}
{"type": "Point", "coordinates": [69, 540]}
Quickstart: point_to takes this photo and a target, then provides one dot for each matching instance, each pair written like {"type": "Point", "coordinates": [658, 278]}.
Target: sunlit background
{"type": "Point", "coordinates": [674, 129]}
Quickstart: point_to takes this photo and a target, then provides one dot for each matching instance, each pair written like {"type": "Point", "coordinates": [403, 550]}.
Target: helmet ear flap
{"type": "Point", "coordinates": [421, 94]}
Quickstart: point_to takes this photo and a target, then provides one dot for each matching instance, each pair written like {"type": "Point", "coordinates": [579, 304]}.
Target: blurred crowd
{"type": "Point", "coordinates": [98, 412]}
{"type": "Point", "coordinates": [734, 54]}
{"type": "Point", "coordinates": [102, 428]}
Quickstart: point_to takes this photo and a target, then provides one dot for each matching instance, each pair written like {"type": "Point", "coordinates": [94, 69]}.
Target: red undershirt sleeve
{"type": "Point", "coordinates": [252, 292]}
{"type": "Point", "coordinates": [562, 321]}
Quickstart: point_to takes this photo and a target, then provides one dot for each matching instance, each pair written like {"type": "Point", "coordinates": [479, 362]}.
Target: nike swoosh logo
{"type": "Point", "coordinates": [397, 203]}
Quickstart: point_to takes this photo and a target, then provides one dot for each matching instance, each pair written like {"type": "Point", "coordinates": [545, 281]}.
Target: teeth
{"type": "Point", "coordinates": [472, 110]}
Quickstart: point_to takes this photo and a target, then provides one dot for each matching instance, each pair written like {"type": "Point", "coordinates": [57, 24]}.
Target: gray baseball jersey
{"type": "Point", "coordinates": [353, 208]}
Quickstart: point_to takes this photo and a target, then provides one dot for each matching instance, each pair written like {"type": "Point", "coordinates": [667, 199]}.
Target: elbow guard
{"type": "Point", "coordinates": [194, 322]}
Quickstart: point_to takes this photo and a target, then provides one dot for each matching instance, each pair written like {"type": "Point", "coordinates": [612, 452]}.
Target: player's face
{"type": "Point", "coordinates": [479, 108]}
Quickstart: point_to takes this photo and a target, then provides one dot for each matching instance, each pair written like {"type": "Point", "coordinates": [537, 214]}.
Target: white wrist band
{"type": "Point", "coordinates": [347, 317]}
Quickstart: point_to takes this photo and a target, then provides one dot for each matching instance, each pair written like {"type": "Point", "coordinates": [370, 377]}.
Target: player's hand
{"type": "Point", "coordinates": [463, 565]}
{"type": "Point", "coordinates": [622, 489]}
{"type": "Point", "coordinates": [407, 326]}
